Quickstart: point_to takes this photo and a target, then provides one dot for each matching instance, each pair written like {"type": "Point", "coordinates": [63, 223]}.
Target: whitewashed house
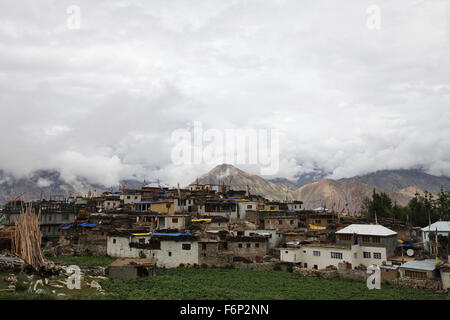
{"type": "Point", "coordinates": [442, 227]}
{"type": "Point", "coordinates": [169, 250]}
{"type": "Point", "coordinates": [355, 245]}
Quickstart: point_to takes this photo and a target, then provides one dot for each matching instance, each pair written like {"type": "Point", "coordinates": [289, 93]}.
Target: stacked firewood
{"type": "Point", "coordinates": [26, 242]}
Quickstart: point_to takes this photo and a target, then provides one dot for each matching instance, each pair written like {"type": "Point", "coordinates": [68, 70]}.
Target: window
{"type": "Point", "coordinates": [272, 208]}
{"type": "Point", "coordinates": [128, 197]}
{"type": "Point", "coordinates": [240, 245]}
{"type": "Point", "coordinates": [318, 221]}
{"type": "Point", "coordinates": [203, 246]}
{"type": "Point", "coordinates": [376, 239]}
{"type": "Point", "coordinates": [249, 206]}
{"type": "Point", "coordinates": [366, 255]}
{"type": "Point", "coordinates": [336, 255]}
{"type": "Point", "coordinates": [248, 245]}
{"type": "Point", "coordinates": [174, 220]}
{"type": "Point", "coordinates": [256, 245]}
{"type": "Point", "coordinates": [170, 254]}
{"type": "Point", "coordinates": [280, 221]}
{"type": "Point", "coordinates": [316, 253]}
{"type": "Point", "coordinates": [186, 246]}
{"type": "Point", "coordinates": [345, 237]}
{"type": "Point", "coordinates": [114, 240]}
{"type": "Point", "coordinates": [415, 274]}
{"type": "Point", "coordinates": [377, 255]}
{"type": "Point", "coordinates": [292, 221]}
{"type": "Point", "coordinates": [135, 197]}
{"type": "Point", "coordinates": [366, 239]}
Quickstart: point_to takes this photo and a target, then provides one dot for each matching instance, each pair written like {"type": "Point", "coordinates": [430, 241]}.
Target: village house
{"type": "Point", "coordinates": [252, 248]}
{"type": "Point", "coordinates": [355, 245]}
{"type": "Point", "coordinates": [223, 208]}
{"type": "Point", "coordinates": [53, 215]}
{"type": "Point", "coordinates": [320, 256]}
{"type": "Point", "coordinates": [169, 250]}
{"type": "Point", "coordinates": [112, 202]}
{"type": "Point", "coordinates": [160, 206]}
{"type": "Point", "coordinates": [128, 269]}
{"type": "Point", "coordinates": [183, 205]}
{"type": "Point", "coordinates": [275, 238]}
{"type": "Point", "coordinates": [368, 235]}
{"type": "Point", "coordinates": [173, 222]}
{"type": "Point", "coordinates": [442, 228]}
{"type": "Point", "coordinates": [419, 269]}
{"type": "Point", "coordinates": [131, 198]}
{"type": "Point", "coordinates": [214, 252]}
{"type": "Point", "coordinates": [282, 223]}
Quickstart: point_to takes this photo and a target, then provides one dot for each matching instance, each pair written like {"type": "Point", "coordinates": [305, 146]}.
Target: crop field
{"type": "Point", "coordinates": [217, 284]}
{"type": "Point", "coordinates": [208, 284]}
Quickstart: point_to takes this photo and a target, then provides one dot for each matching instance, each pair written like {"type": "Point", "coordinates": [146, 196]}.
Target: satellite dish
{"type": "Point", "coordinates": [410, 252]}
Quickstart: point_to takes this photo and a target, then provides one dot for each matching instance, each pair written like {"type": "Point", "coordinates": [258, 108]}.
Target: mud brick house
{"type": "Point", "coordinates": [84, 239]}
{"type": "Point", "coordinates": [223, 208]}
{"type": "Point", "coordinates": [53, 215]}
{"type": "Point", "coordinates": [177, 222]}
{"type": "Point", "coordinates": [282, 223]}
{"type": "Point", "coordinates": [320, 219]}
{"type": "Point", "coordinates": [252, 248]}
{"type": "Point", "coordinates": [214, 253]}
{"type": "Point", "coordinates": [127, 269]}
{"type": "Point", "coordinates": [257, 216]}
{"type": "Point", "coordinates": [275, 238]}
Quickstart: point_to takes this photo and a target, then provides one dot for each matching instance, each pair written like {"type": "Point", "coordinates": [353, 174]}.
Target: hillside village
{"type": "Point", "coordinates": [208, 225]}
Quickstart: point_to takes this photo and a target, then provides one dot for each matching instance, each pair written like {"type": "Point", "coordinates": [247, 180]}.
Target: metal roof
{"type": "Point", "coordinates": [442, 226]}
{"type": "Point", "coordinates": [367, 229]}
{"type": "Point", "coordinates": [427, 264]}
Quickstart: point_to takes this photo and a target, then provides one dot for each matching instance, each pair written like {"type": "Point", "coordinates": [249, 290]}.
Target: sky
{"type": "Point", "coordinates": [96, 89]}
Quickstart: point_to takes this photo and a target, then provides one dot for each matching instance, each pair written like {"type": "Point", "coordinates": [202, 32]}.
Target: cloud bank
{"type": "Point", "coordinates": [101, 101]}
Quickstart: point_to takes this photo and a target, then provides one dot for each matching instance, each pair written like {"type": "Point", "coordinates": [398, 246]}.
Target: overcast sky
{"type": "Point", "coordinates": [102, 101]}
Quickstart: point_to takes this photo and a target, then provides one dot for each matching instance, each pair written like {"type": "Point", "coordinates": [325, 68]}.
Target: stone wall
{"type": "Point", "coordinates": [254, 266]}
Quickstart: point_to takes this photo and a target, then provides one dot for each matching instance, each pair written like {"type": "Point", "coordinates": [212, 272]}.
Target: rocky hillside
{"type": "Point", "coordinates": [337, 193]}
{"type": "Point", "coordinates": [404, 181]}
{"type": "Point", "coordinates": [323, 192]}
{"type": "Point", "coordinates": [239, 180]}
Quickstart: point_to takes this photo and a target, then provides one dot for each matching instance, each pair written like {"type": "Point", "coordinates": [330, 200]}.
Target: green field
{"type": "Point", "coordinates": [216, 284]}
{"type": "Point", "coordinates": [102, 261]}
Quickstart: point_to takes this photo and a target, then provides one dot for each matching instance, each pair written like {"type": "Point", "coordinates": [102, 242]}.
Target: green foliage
{"type": "Point", "coordinates": [418, 211]}
{"type": "Point", "coordinates": [235, 284]}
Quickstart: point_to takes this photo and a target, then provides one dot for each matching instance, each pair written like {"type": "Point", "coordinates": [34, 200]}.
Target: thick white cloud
{"type": "Point", "coordinates": [102, 102]}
